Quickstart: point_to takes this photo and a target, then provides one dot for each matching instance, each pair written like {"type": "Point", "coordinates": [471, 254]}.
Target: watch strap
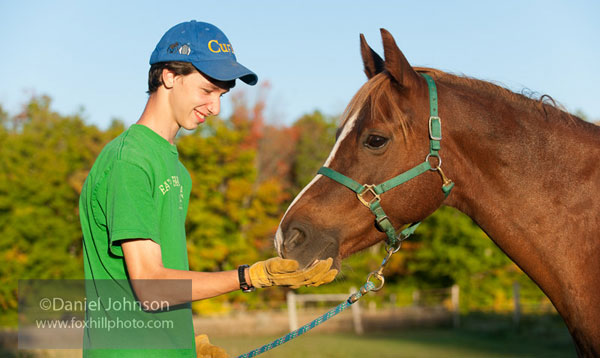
{"type": "Point", "coordinates": [244, 286]}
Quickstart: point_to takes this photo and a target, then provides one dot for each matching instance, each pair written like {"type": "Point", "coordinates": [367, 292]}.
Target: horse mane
{"type": "Point", "coordinates": [377, 96]}
{"type": "Point", "coordinates": [545, 104]}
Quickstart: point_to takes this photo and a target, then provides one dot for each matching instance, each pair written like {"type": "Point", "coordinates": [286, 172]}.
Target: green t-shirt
{"type": "Point", "coordinates": [137, 188]}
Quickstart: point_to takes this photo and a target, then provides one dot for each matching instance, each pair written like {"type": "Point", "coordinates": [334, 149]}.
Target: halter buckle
{"type": "Point", "coordinates": [368, 188]}
{"type": "Point", "coordinates": [438, 129]}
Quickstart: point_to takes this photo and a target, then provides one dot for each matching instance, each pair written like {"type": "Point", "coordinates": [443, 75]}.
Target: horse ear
{"type": "Point", "coordinates": [395, 63]}
{"type": "Point", "coordinates": [371, 60]}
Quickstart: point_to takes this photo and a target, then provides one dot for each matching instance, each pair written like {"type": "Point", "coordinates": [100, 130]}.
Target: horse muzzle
{"type": "Point", "coordinates": [305, 243]}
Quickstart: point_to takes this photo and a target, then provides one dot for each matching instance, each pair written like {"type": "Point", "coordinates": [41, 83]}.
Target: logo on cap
{"type": "Point", "coordinates": [185, 50]}
{"type": "Point", "coordinates": [181, 49]}
{"type": "Point", "coordinates": [216, 47]}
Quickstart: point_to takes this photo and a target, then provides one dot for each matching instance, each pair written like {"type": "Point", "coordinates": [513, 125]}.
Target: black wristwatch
{"type": "Point", "coordinates": [244, 286]}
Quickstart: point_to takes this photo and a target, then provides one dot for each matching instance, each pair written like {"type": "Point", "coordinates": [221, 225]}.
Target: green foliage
{"type": "Point", "coordinates": [231, 217]}
{"type": "Point", "coordinates": [44, 159]}
{"type": "Point", "coordinates": [315, 140]}
{"type": "Point", "coordinates": [454, 250]}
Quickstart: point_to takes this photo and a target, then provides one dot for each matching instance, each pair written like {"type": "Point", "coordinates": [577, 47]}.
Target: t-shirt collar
{"type": "Point", "coordinates": [155, 137]}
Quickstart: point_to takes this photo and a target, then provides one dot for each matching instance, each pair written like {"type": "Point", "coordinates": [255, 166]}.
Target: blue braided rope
{"type": "Point", "coordinates": [307, 327]}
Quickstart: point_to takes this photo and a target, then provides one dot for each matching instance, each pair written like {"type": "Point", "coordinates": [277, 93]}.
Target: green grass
{"type": "Point", "coordinates": [480, 335]}
{"type": "Point", "coordinates": [414, 343]}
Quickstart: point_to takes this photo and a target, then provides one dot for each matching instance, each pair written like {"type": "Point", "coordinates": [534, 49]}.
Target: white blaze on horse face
{"type": "Point", "coordinates": [279, 234]}
{"type": "Point", "coordinates": [348, 127]}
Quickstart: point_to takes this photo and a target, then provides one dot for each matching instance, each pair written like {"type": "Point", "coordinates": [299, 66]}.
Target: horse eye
{"type": "Point", "coordinates": [375, 141]}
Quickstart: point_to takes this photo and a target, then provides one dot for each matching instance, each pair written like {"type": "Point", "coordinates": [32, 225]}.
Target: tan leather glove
{"type": "Point", "coordinates": [206, 350]}
{"type": "Point", "coordinates": [282, 272]}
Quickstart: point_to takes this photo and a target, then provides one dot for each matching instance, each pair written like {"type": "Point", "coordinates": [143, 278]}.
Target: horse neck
{"type": "Point", "coordinates": [528, 180]}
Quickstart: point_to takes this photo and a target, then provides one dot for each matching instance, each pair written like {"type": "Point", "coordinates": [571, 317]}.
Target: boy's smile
{"type": "Point", "coordinates": [194, 97]}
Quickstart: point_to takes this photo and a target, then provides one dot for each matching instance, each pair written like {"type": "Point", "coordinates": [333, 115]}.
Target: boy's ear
{"type": "Point", "coordinates": [168, 77]}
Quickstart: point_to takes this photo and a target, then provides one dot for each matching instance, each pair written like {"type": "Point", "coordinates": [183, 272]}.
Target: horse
{"type": "Point", "coordinates": [522, 169]}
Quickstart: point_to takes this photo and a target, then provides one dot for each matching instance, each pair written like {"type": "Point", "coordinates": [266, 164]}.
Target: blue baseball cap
{"type": "Point", "coordinates": [204, 46]}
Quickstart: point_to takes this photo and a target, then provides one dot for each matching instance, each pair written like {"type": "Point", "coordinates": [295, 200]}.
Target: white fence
{"type": "Point", "coordinates": [450, 295]}
{"type": "Point", "coordinates": [293, 299]}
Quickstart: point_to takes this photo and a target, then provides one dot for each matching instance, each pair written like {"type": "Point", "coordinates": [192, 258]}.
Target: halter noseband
{"type": "Point", "coordinates": [381, 219]}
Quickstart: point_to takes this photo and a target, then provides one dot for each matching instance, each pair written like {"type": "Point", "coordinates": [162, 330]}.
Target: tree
{"type": "Point", "coordinates": [276, 152]}
{"type": "Point", "coordinates": [44, 160]}
{"type": "Point", "coordinates": [316, 137]}
{"type": "Point", "coordinates": [231, 217]}
{"type": "Point", "coordinates": [452, 249]}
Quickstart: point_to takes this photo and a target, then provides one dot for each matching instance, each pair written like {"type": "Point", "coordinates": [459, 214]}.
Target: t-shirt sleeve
{"type": "Point", "coordinates": [130, 208]}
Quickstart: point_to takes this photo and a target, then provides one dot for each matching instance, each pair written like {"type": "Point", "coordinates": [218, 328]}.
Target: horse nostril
{"type": "Point", "coordinates": [296, 237]}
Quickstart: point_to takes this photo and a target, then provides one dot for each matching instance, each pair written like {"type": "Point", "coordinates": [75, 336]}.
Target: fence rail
{"type": "Point", "coordinates": [429, 297]}
{"type": "Point", "coordinates": [293, 299]}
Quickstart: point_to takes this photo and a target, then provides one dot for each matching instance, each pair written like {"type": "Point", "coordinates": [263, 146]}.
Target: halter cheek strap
{"type": "Point", "coordinates": [373, 203]}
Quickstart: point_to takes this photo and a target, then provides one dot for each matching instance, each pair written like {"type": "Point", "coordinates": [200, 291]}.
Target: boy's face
{"type": "Point", "coordinates": [194, 97]}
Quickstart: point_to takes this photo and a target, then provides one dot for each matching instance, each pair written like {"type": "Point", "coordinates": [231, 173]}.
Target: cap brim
{"type": "Point", "coordinates": [226, 70]}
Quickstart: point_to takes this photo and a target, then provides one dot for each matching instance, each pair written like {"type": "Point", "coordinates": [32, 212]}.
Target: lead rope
{"type": "Point", "coordinates": [366, 288]}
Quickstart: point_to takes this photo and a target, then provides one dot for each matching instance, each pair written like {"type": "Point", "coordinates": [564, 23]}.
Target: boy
{"type": "Point", "coordinates": [134, 202]}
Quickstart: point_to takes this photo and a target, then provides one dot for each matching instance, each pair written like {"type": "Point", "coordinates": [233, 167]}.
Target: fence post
{"type": "Point", "coordinates": [416, 297]}
{"type": "Point", "coordinates": [358, 328]}
{"type": "Point", "coordinates": [372, 307]}
{"type": "Point", "coordinates": [517, 299]}
{"type": "Point", "coordinates": [393, 301]}
{"type": "Point", "coordinates": [455, 291]}
{"type": "Point", "coordinates": [293, 317]}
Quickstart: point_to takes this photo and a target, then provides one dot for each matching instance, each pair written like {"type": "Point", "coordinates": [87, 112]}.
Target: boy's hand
{"type": "Point", "coordinates": [206, 350]}
{"type": "Point", "coordinates": [283, 272]}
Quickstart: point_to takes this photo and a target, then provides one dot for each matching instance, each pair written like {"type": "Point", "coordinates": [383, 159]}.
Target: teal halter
{"type": "Point", "coordinates": [381, 219]}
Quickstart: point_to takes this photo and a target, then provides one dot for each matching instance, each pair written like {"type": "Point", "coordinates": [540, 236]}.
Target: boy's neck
{"type": "Point", "coordinates": [157, 117]}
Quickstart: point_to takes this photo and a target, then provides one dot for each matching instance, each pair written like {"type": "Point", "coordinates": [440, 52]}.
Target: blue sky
{"type": "Point", "coordinates": [95, 54]}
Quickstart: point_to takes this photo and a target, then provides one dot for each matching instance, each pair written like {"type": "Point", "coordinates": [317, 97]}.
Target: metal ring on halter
{"type": "Point", "coordinates": [377, 276]}
{"type": "Point", "coordinates": [396, 248]}
{"type": "Point", "coordinates": [439, 165]}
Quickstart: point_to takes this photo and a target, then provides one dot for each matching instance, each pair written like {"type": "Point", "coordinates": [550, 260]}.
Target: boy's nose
{"type": "Point", "coordinates": [215, 106]}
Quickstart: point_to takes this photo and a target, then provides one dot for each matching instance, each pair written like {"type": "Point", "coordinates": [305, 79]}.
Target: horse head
{"type": "Point", "coordinates": [385, 131]}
